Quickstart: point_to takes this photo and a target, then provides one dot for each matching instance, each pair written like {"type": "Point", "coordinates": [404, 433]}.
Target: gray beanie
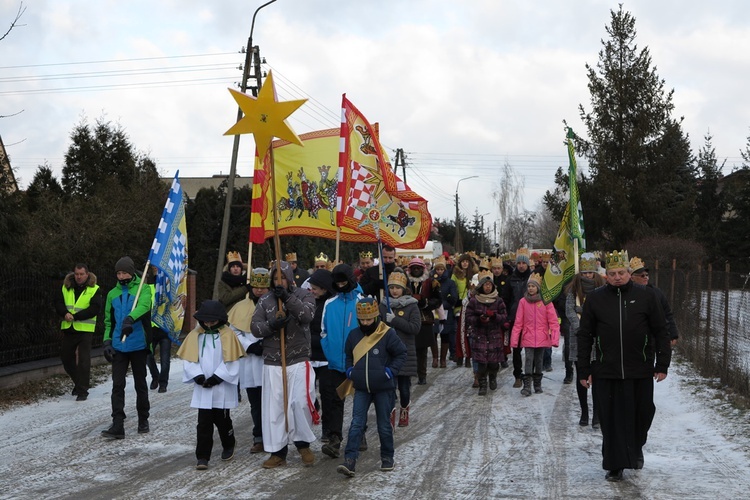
{"type": "Point", "coordinates": [125, 265]}
{"type": "Point", "coordinates": [522, 258]}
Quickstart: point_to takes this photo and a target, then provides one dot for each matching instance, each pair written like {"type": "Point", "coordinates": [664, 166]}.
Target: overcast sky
{"type": "Point", "coordinates": [461, 86]}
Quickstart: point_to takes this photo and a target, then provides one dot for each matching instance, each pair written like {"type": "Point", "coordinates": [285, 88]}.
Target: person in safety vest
{"type": "Point", "coordinates": [78, 304]}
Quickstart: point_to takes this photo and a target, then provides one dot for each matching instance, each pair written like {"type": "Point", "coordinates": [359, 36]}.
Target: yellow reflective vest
{"type": "Point", "coordinates": [73, 306]}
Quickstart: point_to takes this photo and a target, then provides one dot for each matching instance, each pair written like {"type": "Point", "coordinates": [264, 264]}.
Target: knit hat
{"type": "Point", "coordinates": [211, 310]}
{"type": "Point", "coordinates": [522, 255]}
{"type": "Point", "coordinates": [322, 278]}
{"type": "Point", "coordinates": [367, 308]}
{"type": "Point", "coordinates": [536, 278]}
{"type": "Point", "coordinates": [125, 265]}
{"type": "Point", "coordinates": [260, 278]}
{"type": "Point", "coordinates": [416, 261]}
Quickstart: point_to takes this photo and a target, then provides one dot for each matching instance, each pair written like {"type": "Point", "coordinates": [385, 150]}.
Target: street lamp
{"type": "Point", "coordinates": [235, 151]}
{"type": "Point", "coordinates": [457, 242]}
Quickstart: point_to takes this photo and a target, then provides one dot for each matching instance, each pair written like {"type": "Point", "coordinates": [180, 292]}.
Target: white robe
{"type": "Point", "coordinates": [275, 436]}
{"type": "Point", "coordinates": [210, 362]}
{"type": "Point", "coordinates": [251, 366]}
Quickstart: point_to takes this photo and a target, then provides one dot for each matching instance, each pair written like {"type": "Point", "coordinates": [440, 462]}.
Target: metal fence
{"type": "Point", "coordinates": [29, 326]}
{"type": "Point", "coordinates": [712, 311]}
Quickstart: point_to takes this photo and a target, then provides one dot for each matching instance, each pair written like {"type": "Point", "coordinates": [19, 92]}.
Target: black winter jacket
{"type": "Point", "coordinates": [628, 329]}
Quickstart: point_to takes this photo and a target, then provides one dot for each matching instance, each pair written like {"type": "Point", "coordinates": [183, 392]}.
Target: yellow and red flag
{"type": "Point", "coordinates": [306, 188]}
{"type": "Point", "coordinates": [372, 200]}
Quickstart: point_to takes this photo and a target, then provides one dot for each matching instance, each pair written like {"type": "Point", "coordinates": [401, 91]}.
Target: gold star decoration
{"type": "Point", "coordinates": [265, 117]}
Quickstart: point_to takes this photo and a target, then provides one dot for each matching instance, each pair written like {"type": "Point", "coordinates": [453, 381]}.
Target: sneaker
{"type": "Point", "coordinates": [143, 426]}
{"type": "Point", "coordinates": [82, 396]}
{"type": "Point", "coordinates": [273, 462]}
{"type": "Point", "coordinates": [324, 438]}
{"type": "Point", "coordinates": [202, 464]}
{"type": "Point", "coordinates": [518, 383]}
{"type": "Point", "coordinates": [257, 448]}
{"type": "Point", "coordinates": [614, 475]}
{"type": "Point", "coordinates": [308, 458]}
{"type": "Point", "coordinates": [363, 444]}
{"type": "Point", "coordinates": [333, 447]}
{"type": "Point", "coordinates": [114, 432]}
{"type": "Point", "coordinates": [227, 453]}
{"type": "Point", "coordinates": [347, 468]}
{"type": "Point", "coordinates": [387, 464]}
{"type": "Point", "coordinates": [154, 384]}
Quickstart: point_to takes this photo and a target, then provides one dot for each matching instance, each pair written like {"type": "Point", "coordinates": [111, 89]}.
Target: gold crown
{"type": "Point", "coordinates": [485, 264]}
{"type": "Point", "coordinates": [291, 257]}
{"type": "Point", "coordinates": [616, 260]}
{"type": "Point", "coordinates": [636, 264]}
{"type": "Point", "coordinates": [522, 251]}
{"type": "Point", "coordinates": [321, 257]}
{"type": "Point", "coordinates": [367, 308]}
{"type": "Point", "coordinates": [398, 278]}
{"type": "Point", "coordinates": [403, 261]}
{"type": "Point", "coordinates": [234, 257]}
{"type": "Point", "coordinates": [546, 256]}
{"type": "Point", "coordinates": [495, 262]}
{"type": "Point", "coordinates": [440, 261]}
{"type": "Point", "coordinates": [365, 255]}
{"type": "Point", "coordinates": [485, 275]}
{"type": "Point", "coordinates": [588, 263]}
{"type": "Point", "coordinates": [260, 278]}
{"type": "Point", "coordinates": [536, 278]}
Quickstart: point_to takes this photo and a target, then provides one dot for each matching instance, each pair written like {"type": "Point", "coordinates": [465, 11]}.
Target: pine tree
{"type": "Point", "coordinates": [642, 178]}
{"type": "Point", "coordinates": [710, 202]}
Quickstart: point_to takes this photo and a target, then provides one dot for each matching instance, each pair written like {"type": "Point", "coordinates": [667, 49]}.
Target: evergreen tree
{"type": "Point", "coordinates": [642, 176]}
{"type": "Point", "coordinates": [710, 202]}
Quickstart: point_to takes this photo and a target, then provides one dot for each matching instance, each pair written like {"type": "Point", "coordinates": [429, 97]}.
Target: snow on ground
{"type": "Point", "coordinates": [459, 445]}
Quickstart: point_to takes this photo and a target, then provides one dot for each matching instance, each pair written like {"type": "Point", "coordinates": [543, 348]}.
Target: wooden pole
{"type": "Point", "coordinates": [279, 305]}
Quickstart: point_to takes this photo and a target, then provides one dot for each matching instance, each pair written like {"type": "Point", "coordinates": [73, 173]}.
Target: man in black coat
{"type": "Point", "coordinates": [512, 292]}
{"type": "Point", "coordinates": [625, 323]}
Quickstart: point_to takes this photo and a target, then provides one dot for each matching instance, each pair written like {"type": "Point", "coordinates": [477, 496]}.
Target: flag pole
{"type": "Point", "coordinates": [138, 292]}
{"type": "Point", "coordinates": [279, 304]}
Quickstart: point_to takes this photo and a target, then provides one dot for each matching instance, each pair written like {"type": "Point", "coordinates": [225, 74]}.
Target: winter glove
{"type": "Point", "coordinates": [389, 317]}
{"type": "Point", "coordinates": [109, 351]}
{"type": "Point", "coordinates": [212, 381]}
{"type": "Point", "coordinates": [256, 348]}
{"type": "Point", "coordinates": [484, 318]}
{"type": "Point", "coordinates": [281, 293]}
{"type": "Point", "coordinates": [490, 313]}
{"type": "Point", "coordinates": [277, 324]}
{"type": "Point", "coordinates": [507, 350]}
{"type": "Point", "coordinates": [200, 379]}
{"type": "Point", "coordinates": [388, 373]}
{"type": "Point", "coordinates": [349, 372]}
{"type": "Point", "coordinates": [506, 326]}
{"type": "Point", "coordinates": [127, 327]}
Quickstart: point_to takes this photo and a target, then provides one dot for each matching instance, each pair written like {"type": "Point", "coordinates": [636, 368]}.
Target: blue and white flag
{"type": "Point", "coordinates": [169, 254]}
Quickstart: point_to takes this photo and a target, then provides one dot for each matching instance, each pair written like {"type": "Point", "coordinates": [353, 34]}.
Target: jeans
{"type": "Point", "coordinates": [404, 390]}
{"type": "Point", "coordinates": [547, 358]}
{"type": "Point", "coordinates": [384, 403]}
{"type": "Point", "coordinates": [165, 353]}
{"type": "Point", "coordinates": [137, 362]}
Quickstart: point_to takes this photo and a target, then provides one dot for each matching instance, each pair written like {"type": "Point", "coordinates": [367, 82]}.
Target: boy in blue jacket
{"type": "Point", "coordinates": [374, 356]}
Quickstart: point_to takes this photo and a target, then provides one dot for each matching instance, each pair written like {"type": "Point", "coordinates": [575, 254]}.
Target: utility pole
{"type": "Point", "coordinates": [252, 59]}
{"type": "Point", "coordinates": [400, 160]}
{"type": "Point", "coordinates": [457, 242]}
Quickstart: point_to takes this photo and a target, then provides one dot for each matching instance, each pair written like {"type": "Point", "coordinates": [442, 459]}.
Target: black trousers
{"type": "Point", "coordinates": [331, 405]}
{"type": "Point", "coordinates": [254, 395]}
{"type": "Point", "coordinates": [137, 362]}
{"type": "Point", "coordinates": [205, 431]}
{"type": "Point", "coordinates": [78, 367]}
{"type": "Point", "coordinates": [626, 410]}
{"type": "Point", "coordinates": [517, 362]}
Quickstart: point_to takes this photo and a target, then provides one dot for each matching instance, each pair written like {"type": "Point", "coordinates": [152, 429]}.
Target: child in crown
{"type": "Point", "coordinates": [538, 327]}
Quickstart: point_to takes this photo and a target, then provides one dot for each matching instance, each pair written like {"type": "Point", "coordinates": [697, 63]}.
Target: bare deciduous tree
{"type": "Point", "coordinates": [508, 196]}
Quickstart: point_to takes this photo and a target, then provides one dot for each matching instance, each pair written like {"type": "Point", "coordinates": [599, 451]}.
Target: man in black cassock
{"type": "Point", "coordinates": [626, 324]}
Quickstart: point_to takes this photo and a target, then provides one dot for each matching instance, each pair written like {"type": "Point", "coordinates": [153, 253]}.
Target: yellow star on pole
{"type": "Point", "coordinates": [265, 117]}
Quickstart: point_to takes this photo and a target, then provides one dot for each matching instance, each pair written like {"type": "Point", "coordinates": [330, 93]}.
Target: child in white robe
{"type": "Point", "coordinates": [211, 354]}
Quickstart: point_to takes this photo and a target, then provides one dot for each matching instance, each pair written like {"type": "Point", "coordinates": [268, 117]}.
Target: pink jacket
{"type": "Point", "coordinates": [536, 324]}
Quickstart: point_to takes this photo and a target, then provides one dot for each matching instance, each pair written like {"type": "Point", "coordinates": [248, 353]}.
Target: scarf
{"type": "Point", "coordinates": [402, 301]}
{"type": "Point", "coordinates": [587, 285]}
{"type": "Point", "coordinates": [487, 298]}
{"type": "Point", "coordinates": [532, 298]}
{"type": "Point", "coordinates": [232, 280]}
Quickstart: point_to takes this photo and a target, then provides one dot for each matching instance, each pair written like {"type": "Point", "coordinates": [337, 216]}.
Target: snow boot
{"type": "Point", "coordinates": [403, 417]}
{"type": "Point", "coordinates": [493, 381]}
{"type": "Point", "coordinates": [434, 352]}
{"type": "Point", "coordinates": [526, 391]}
{"type": "Point", "coordinates": [393, 418]}
{"type": "Point", "coordinates": [584, 421]}
{"type": "Point", "coordinates": [518, 383]}
{"type": "Point", "coordinates": [482, 386]}
{"type": "Point", "coordinates": [333, 447]}
{"type": "Point", "coordinates": [595, 420]}
{"type": "Point", "coordinates": [459, 361]}
{"type": "Point", "coordinates": [443, 354]}
{"type": "Point", "coordinates": [568, 373]}
{"type": "Point", "coordinates": [538, 383]}
{"type": "Point", "coordinates": [116, 431]}
{"type": "Point", "coordinates": [476, 382]}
